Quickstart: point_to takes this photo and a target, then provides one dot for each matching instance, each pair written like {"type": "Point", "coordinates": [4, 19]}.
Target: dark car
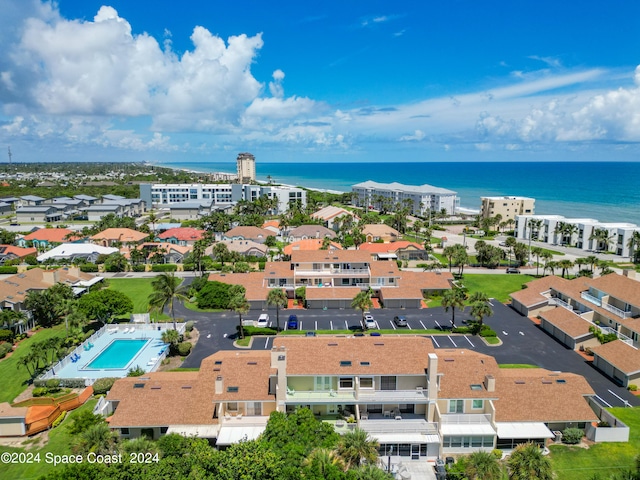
{"type": "Point", "coordinates": [513, 270]}
{"type": "Point", "coordinates": [292, 324]}
{"type": "Point", "coordinates": [400, 320]}
{"type": "Point", "coordinates": [441, 472]}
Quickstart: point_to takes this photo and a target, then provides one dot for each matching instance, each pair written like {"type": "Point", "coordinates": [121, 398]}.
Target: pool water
{"type": "Point", "coordinates": [118, 354]}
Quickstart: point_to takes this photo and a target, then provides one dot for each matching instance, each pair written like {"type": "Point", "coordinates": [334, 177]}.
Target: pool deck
{"type": "Point", "coordinates": [148, 357]}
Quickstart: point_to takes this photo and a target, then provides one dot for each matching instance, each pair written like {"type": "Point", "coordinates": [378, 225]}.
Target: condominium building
{"type": "Point", "coordinates": [576, 232]}
{"type": "Point", "coordinates": [506, 207]}
{"type": "Point", "coordinates": [222, 195]}
{"type": "Point", "coordinates": [416, 401]}
{"type": "Point", "coordinates": [420, 199]}
{"type": "Point", "coordinates": [246, 165]}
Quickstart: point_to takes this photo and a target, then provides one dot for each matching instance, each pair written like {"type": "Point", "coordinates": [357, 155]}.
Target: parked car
{"type": "Point", "coordinates": [369, 321]}
{"type": "Point", "coordinates": [263, 320]}
{"type": "Point", "coordinates": [310, 333]}
{"type": "Point", "coordinates": [441, 472]}
{"type": "Point", "coordinates": [400, 320]}
{"type": "Point", "coordinates": [513, 270]}
{"type": "Point", "coordinates": [292, 324]}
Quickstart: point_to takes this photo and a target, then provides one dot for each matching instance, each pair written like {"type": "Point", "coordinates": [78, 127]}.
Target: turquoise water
{"type": "Point", "coordinates": [118, 354]}
{"type": "Point", "coordinates": [605, 191]}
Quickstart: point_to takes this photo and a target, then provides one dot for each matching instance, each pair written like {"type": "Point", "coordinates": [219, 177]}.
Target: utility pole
{"type": "Point", "coordinates": [9, 153]}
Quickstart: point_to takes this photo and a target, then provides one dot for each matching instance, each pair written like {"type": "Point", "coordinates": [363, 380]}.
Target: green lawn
{"type": "Point", "coordinates": [59, 444]}
{"type": "Point", "coordinates": [497, 286]}
{"type": "Point", "coordinates": [14, 380]}
{"type": "Point", "coordinates": [575, 463]}
{"type": "Point", "coordinates": [138, 290]}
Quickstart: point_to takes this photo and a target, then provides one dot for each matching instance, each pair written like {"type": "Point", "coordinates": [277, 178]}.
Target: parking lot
{"type": "Point", "coordinates": [523, 342]}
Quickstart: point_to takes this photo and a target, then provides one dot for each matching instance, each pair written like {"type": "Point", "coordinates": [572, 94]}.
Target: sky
{"type": "Point", "coordinates": [319, 81]}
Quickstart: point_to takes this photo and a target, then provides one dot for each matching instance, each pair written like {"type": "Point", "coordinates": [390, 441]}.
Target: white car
{"type": "Point", "coordinates": [369, 320]}
{"type": "Point", "coordinates": [263, 320]}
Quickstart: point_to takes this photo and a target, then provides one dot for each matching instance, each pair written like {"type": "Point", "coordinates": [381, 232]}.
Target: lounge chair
{"type": "Point", "coordinates": [290, 391]}
{"type": "Point", "coordinates": [239, 416]}
{"type": "Point", "coordinates": [126, 330]}
{"type": "Point", "coordinates": [152, 361]}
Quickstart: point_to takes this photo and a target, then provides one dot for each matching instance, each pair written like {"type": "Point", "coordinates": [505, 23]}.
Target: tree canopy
{"type": "Point", "coordinates": [103, 305]}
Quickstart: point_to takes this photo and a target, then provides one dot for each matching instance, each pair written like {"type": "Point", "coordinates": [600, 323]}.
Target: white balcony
{"type": "Point", "coordinates": [393, 396]}
{"type": "Point", "coordinates": [471, 424]}
{"type": "Point", "coordinates": [591, 298]}
{"type": "Point", "coordinates": [332, 271]}
{"type": "Point", "coordinates": [616, 311]}
{"type": "Point", "coordinates": [321, 396]}
{"type": "Point", "coordinates": [412, 425]}
{"type": "Point", "coordinates": [562, 303]}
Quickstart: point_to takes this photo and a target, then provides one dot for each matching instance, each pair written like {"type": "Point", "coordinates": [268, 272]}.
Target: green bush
{"type": "Point", "coordinates": [88, 268]}
{"type": "Point", "coordinates": [241, 267]}
{"type": "Point", "coordinates": [198, 283]}
{"type": "Point", "coordinates": [6, 335]}
{"type": "Point", "coordinates": [572, 436]}
{"type": "Point", "coordinates": [497, 453]}
{"type": "Point", "coordinates": [138, 268]}
{"type": "Point", "coordinates": [250, 331]}
{"type": "Point", "coordinates": [488, 332]}
{"type": "Point", "coordinates": [213, 295]}
{"type": "Point", "coordinates": [136, 371]}
{"type": "Point", "coordinates": [632, 387]}
{"type": "Point", "coordinates": [103, 385]}
{"type": "Point", "coordinates": [189, 267]}
{"type": "Point", "coordinates": [184, 348]}
{"type": "Point", "coordinates": [9, 270]}
{"type": "Point", "coordinates": [188, 327]}
{"type": "Point", "coordinates": [164, 267]}
{"type": "Point", "coordinates": [461, 330]}
{"type": "Point", "coordinates": [4, 349]}
{"type": "Point", "coordinates": [59, 420]}
{"type": "Point", "coordinates": [39, 392]}
{"type": "Point", "coordinates": [53, 385]}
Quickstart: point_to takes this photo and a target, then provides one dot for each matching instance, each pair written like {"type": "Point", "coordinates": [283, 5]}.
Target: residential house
{"type": "Point", "coordinates": [243, 247]}
{"type": "Point", "coordinates": [130, 207]}
{"type": "Point", "coordinates": [619, 360]}
{"type": "Point", "coordinates": [332, 216]}
{"type": "Point", "coordinates": [168, 252]}
{"type": "Point", "coordinates": [11, 252]}
{"type": "Point", "coordinates": [190, 210]}
{"type": "Point", "coordinates": [5, 208]}
{"type": "Point", "coordinates": [400, 250]}
{"type": "Point", "coordinates": [310, 244]}
{"type": "Point", "coordinates": [46, 238]}
{"type": "Point", "coordinates": [87, 199]}
{"type": "Point", "coordinates": [421, 199]}
{"type": "Point", "coordinates": [418, 402]}
{"type": "Point", "coordinates": [273, 226]}
{"type": "Point", "coordinates": [304, 232]}
{"type": "Point", "coordinates": [87, 252]}
{"type": "Point", "coordinates": [256, 234]}
{"type": "Point", "coordinates": [507, 207]}
{"type": "Point", "coordinates": [119, 236]}
{"type": "Point", "coordinates": [98, 211]}
{"type": "Point", "coordinates": [12, 420]}
{"type": "Point", "coordinates": [39, 214]}
{"type": "Point", "coordinates": [181, 236]}
{"type": "Point", "coordinates": [30, 201]}
{"type": "Point", "coordinates": [380, 232]}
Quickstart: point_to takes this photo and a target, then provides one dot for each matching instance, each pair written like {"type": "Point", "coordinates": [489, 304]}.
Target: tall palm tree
{"type": "Point", "coordinates": [481, 310]}
{"type": "Point", "coordinates": [452, 299]}
{"type": "Point", "coordinates": [602, 237]}
{"type": "Point", "coordinates": [167, 289]}
{"type": "Point", "coordinates": [483, 466]}
{"type": "Point", "coordinates": [362, 301]}
{"type": "Point", "coordinates": [527, 463]}
{"type": "Point", "coordinates": [449, 252]}
{"type": "Point", "coordinates": [323, 460]}
{"type": "Point", "coordinates": [278, 298]}
{"type": "Point", "coordinates": [547, 257]}
{"type": "Point", "coordinates": [239, 304]}
{"type": "Point", "coordinates": [537, 251]}
{"type": "Point", "coordinates": [97, 438]}
{"type": "Point", "coordinates": [579, 262]}
{"type": "Point", "coordinates": [569, 231]}
{"type": "Point", "coordinates": [565, 265]}
{"type": "Point", "coordinates": [592, 261]}
{"type": "Point", "coordinates": [634, 243]}
{"type": "Point", "coordinates": [357, 445]}
{"type": "Point", "coordinates": [559, 230]}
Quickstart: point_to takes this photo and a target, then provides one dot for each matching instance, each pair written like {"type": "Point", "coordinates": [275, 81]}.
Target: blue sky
{"type": "Point", "coordinates": [169, 81]}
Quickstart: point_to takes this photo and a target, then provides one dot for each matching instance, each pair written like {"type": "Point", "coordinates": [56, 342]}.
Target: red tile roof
{"type": "Point", "coordinates": [389, 247]}
{"type": "Point", "coordinates": [57, 235]}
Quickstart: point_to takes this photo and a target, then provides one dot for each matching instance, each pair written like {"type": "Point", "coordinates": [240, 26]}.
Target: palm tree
{"type": "Point", "coordinates": [479, 297]}
{"type": "Point", "coordinates": [369, 472]}
{"type": "Point", "coordinates": [633, 243]}
{"type": "Point", "coordinates": [26, 361]}
{"type": "Point", "coordinates": [527, 463]}
{"type": "Point", "coordinates": [362, 301]}
{"type": "Point", "coordinates": [537, 251]}
{"type": "Point", "coordinates": [278, 298]}
{"type": "Point", "coordinates": [547, 257]}
{"type": "Point", "coordinates": [480, 310]}
{"type": "Point", "coordinates": [453, 299]}
{"type": "Point", "coordinates": [323, 460]}
{"type": "Point", "coordinates": [592, 261]}
{"type": "Point", "coordinates": [449, 252]}
{"type": "Point", "coordinates": [602, 237]}
{"type": "Point", "coordinates": [482, 466]}
{"type": "Point", "coordinates": [559, 230]}
{"type": "Point", "coordinates": [220, 252]}
{"type": "Point", "coordinates": [355, 446]}
{"type": "Point", "coordinates": [579, 262]}
{"type": "Point", "coordinates": [565, 265]}
{"type": "Point", "coordinates": [166, 290]}
{"type": "Point", "coordinates": [97, 438]}
{"type": "Point", "coordinates": [569, 231]}
{"type": "Point", "coordinates": [239, 304]}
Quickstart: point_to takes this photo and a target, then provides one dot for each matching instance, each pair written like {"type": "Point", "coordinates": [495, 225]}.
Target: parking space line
{"type": "Point", "coordinates": [433, 339]}
{"type": "Point", "coordinates": [467, 339]}
{"type": "Point", "coordinates": [346, 325]}
{"type": "Point", "coordinates": [316, 324]}
{"type": "Point", "coordinates": [331, 324]}
{"type": "Point", "coordinates": [409, 326]}
{"type": "Point", "coordinates": [266, 344]}
{"type": "Point", "coordinates": [454, 343]}
{"type": "Point", "coordinates": [300, 325]}
{"type": "Point", "coordinates": [604, 401]}
{"type": "Point", "coordinates": [393, 325]}
{"type": "Point", "coordinates": [424, 326]}
{"type": "Point", "coordinates": [436, 324]}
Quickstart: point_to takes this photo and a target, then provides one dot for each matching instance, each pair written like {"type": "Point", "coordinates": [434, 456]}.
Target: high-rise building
{"type": "Point", "coordinates": [246, 168]}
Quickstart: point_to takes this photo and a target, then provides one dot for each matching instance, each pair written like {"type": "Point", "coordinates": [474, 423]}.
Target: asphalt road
{"type": "Point", "coordinates": [522, 341]}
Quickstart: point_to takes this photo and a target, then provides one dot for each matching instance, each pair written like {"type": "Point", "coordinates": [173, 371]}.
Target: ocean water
{"type": "Point", "coordinates": [605, 191]}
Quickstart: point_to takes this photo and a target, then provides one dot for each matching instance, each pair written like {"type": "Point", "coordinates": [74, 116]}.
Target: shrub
{"type": "Point", "coordinates": [103, 385]}
{"type": "Point", "coordinates": [199, 283]}
{"type": "Point", "coordinates": [488, 332]}
{"type": "Point", "coordinates": [213, 295]}
{"type": "Point", "coordinates": [39, 392]}
{"type": "Point", "coordinates": [572, 436]}
{"type": "Point", "coordinates": [82, 421]}
{"type": "Point", "coordinates": [184, 348]}
{"type": "Point", "coordinates": [53, 385]}
{"type": "Point", "coordinates": [9, 269]}
{"type": "Point", "coordinates": [249, 331]}
{"type": "Point", "coordinates": [301, 293]}
{"type": "Point", "coordinates": [136, 371]}
{"type": "Point", "coordinates": [4, 349]}
{"type": "Point", "coordinates": [496, 452]}
{"type": "Point", "coordinates": [189, 267]}
{"type": "Point", "coordinates": [461, 330]}
{"type": "Point", "coordinates": [138, 268]}
{"type": "Point", "coordinates": [164, 267]}
{"type": "Point", "coordinates": [241, 267]}
{"type": "Point", "coordinates": [88, 268]}
{"type": "Point", "coordinates": [59, 420]}
{"type": "Point", "coordinates": [6, 335]}
{"type": "Point", "coordinates": [632, 387]}
{"type": "Point", "coordinates": [188, 327]}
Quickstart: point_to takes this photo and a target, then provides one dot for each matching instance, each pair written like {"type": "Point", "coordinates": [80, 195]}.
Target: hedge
{"type": "Point", "coordinates": [164, 267]}
{"type": "Point", "coordinates": [188, 327]}
{"type": "Point", "coordinates": [138, 268]}
{"type": "Point", "coordinates": [40, 391]}
{"type": "Point", "coordinates": [4, 269]}
{"type": "Point", "coordinates": [4, 349]}
{"type": "Point", "coordinates": [103, 385]}
{"type": "Point", "coordinates": [88, 268]}
{"type": "Point", "coordinates": [6, 335]}
{"type": "Point", "coordinates": [59, 420]}
{"type": "Point", "coordinates": [184, 348]}
{"type": "Point", "coordinates": [250, 331]}
{"type": "Point", "coordinates": [64, 383]}
{"type": "Point", "coordinates": [572, 436]}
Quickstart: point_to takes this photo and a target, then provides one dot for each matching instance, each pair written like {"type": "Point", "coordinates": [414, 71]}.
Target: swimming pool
{"type": "Point", "coordinates": [118, 354]}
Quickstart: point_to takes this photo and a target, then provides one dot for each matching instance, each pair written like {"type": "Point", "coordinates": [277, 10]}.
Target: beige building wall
{"type": "Point", "coordinates": [246, 165]}
{"type": "Point", "coordinates": [507, 207]}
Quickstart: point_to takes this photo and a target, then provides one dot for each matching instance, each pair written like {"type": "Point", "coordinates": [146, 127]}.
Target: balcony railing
{"type": "Point", "coordinates": [562, 303]}
{"type": "Point", "coordinates": [333, 271]}
{"type": "Point", "coordinates": [616, 311]}
{"type": "Point", "coordinates": [591, 298]}
{"type": "Point", "coordinates": [393, 396]}
{"type": "Point", "coordinates": [461, 418]}
{"type": "Point", "coordinates": [320, 396]}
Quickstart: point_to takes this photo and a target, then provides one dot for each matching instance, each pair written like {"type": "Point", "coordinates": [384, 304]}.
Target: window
{"type": "Point", "coordinates": [124, 431]}
{"type": "Point", "coordinates": [387, 383]}
{"type": "Point", "coordinates": [346, 382]}
{"type": "Point", "coordinates": [366, 382]}
{"type": "Point", "coordinates": [478, 404]}
{"type": "Point", "coordinates": [456, 406]}
{"type": "Point", "coordinates": [232, 406]}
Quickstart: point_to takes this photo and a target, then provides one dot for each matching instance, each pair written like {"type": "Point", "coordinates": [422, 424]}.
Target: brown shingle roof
{"type": "Point", "coordinates": [312, 231]}
{"type": "Point", "coordinates": [120, 235]}
{"type": "Point", "coordinates": [386, 355]}
{"type": "Point", "coordinates": [619, 286]}
{"type": "Point", "coordinates": [462, 368]}
{"type": "Point", "coordinates": [380, 230]}
{"type": "Point", "coordinates": [532, 294]}
{"type": "Point", "coordinates": [621, 355]}
{"type": "Point", "coordinates": [249, 232]}
{"type": "Point", "coordinates": [302, 256]}
{"type": "Point", "coordinates": [309, 244]}
{"type": "Point", "coordinates": [183, 233]}
{"type": "Point", "coordinates": [567, 321]}
{"type": "Point", "coordinates": [253, 282]}
{"type": "Point", "coordinates": [389, 247]}
{"type": "Point", "coordinates": [14, 289]}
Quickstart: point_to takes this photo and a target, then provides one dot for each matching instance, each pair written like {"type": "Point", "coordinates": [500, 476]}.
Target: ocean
{"type": "Point", "coordinates": [605, 191]}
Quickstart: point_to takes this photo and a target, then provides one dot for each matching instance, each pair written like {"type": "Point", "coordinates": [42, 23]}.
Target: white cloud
{"type": "Point", "coordinates": [275, 87]}
{"type": "Point", "coordinates": [416, 137]}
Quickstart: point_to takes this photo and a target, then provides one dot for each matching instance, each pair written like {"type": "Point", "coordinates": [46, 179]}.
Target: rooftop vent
{"type": "Point", "coordinates": [138, 385]}
{"type": "Point", "coordinates": [365, 364]}
{"type": "Point", "coordinates": [345, 363]}
{"type": "Point", "coordinates": [519, 382]}
{"type": "Point", "coordinates": [561, 380]}
{"type": "Point", "coordinates": [233, 389]}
